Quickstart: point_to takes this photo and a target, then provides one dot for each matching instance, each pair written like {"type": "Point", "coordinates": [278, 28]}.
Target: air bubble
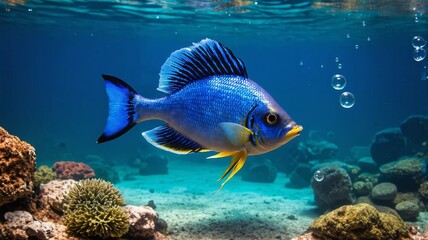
{"type": "Point", "coordinates": [347, 35]}
{"type": "Point", "coordinates": [338, 82]}
{"type": "Point", "coordinates": [339, 66]}
{"type": "Point", "coordinates": [337, 59]}
{"type": "Point", "coordinates": [356, 46]}
{"type": "Point", "coordinates": [347, 100]}
{"type": "Point", "coordinates": [364, 23]}
{"type": "Point", "coordinates": [418, 42]}
{"type": "Point", "coordinates": [319, 175]}
{"type": "Point", "coordinates": [419, 54]}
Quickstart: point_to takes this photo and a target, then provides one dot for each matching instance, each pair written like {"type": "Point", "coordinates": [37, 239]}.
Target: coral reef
{"type": "Point", "coordinates": [51, 198]}
{"type": "Point", "coordinates": [259, 171]}
{"type": "Point", "coordinates": [406, 173]}
{"type": "Point", "coordinates": [332, 189]}
{"type": "Point", "coordinates": [73, 170]}
{"type": "Point", "coordinates": [352, 170]}
{"type": "Point", "coordinates": [388, 145]}
{"type": "Point", "coordinates": [361, 221]}
{"type": "Point", "coordinates": [17, 166]}
{"type": "Point", "coordinates": [44, 174]}
{"type": "Point", "coordinates": [318, 150]}
{"type": "Point", "coordinates": [22, 225]}
{"type": "Point", "coordinates": [94, 210]}
{"type": "Point", "coordinates": [362, 188]}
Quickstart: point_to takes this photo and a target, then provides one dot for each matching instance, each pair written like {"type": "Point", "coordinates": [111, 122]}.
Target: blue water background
{"type": "Point", "coordinates": [52, 94]}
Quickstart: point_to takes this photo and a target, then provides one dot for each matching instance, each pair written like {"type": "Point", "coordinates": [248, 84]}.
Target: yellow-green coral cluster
{"type": "Point", "coordinates": [94, 210]}
{"type": "Point", "coordinates": [44, 174]}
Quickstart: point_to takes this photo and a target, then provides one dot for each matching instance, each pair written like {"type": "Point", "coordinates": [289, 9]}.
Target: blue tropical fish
{"type": "Point", "coordinates": [211, 105]}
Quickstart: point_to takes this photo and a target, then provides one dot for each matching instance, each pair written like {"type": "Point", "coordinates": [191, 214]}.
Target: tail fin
{"type": "Point", "coordinates": [122, 115]}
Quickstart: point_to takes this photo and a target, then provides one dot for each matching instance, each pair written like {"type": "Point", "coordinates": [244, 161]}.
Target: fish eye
{"type": "Point", "coordinates": [271, 118]}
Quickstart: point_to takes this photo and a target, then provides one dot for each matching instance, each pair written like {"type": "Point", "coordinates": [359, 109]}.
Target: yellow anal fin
{"type": "Point", "coordinates": [232, 164]}
{"type": "Point", "coordinates": [237, 163]}
{"type": "Point", "coordinates": [222, 154]}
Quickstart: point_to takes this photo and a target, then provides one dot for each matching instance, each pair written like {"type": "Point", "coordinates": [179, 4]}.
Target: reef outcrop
{"type": "Point", "coordinates": [73, 170]}
{"type": "Point", "coordinates": [332, 188]}
{"type": "Point", "coordinates": [17, 167]}
{"type": "Point", "coordinates": [361, 221]}
{"type": "Point", "coordinates": [388, 145]}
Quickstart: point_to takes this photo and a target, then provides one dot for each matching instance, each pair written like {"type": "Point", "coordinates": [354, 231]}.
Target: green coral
{"type": "Point", "coordinates": [44, 174]}
{"type": "Point", "coordinates": [94, 210]}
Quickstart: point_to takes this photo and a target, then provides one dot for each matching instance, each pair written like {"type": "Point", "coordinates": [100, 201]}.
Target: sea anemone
{"type": "Point", "coordinates": [93, 209]}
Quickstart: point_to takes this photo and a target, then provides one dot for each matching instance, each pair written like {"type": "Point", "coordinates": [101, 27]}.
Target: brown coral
{"type": "Point", "coordinates": [73, 170]}
{"type": "Point", "coordinates": [17, 166]}
{"type": "Point", "coordinates": [361, 221]}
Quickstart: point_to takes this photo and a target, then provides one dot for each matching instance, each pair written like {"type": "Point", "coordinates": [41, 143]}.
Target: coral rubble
{"type": "Point", "coordinates": [17, 166]}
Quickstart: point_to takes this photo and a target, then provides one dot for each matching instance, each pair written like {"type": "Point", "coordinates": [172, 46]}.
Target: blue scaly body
{"type": "Point", "coordinates": [211, 105]}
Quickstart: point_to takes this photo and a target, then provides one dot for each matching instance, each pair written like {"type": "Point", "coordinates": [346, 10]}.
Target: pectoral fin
{"type": "Point", "coordinates": [237, 162]}
{"type": "Point", "coordinates": [235, 134]}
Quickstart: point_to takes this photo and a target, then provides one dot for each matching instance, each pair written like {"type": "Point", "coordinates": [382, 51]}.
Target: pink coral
{"type": "Point", "coordinates": [73, 170]}
{"type": "Point", "coordinates": [17, 167]}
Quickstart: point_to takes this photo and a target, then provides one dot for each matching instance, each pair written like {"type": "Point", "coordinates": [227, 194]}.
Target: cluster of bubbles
{"type": "Point", "coordinates": [418, 15]}
{"type": "Point", "coordinates": [419, 53]}
{"type": "Point", "coordinates": [346, 99]}
{"type": "Point", "coordinates": [339, 65]}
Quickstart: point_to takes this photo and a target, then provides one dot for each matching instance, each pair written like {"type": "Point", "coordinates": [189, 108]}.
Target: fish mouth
{"type": "Point", "coordinates": [293, 132]}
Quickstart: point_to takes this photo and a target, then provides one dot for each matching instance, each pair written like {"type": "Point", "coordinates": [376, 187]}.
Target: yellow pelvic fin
{"type": "Point", "coordinates": [223, 154]}
{"type": "Point", "coordinates": [238, 161]}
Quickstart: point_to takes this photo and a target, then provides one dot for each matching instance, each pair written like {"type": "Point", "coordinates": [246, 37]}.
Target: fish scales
{"type": "Point", "coordinates": [211, 105]}
{"type": "Point", "coordinates": [196, 110]}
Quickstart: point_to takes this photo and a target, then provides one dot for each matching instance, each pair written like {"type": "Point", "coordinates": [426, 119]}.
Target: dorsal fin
{"type": "Point", "coordinates": [204, 59]}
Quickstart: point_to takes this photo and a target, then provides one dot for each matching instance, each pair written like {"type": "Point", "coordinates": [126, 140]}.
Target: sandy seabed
{"type": "Point", "coordinates": [188, 201]}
